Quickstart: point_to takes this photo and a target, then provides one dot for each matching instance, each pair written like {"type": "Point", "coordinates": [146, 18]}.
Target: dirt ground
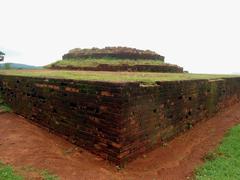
{"type": "Point", "coordinates": [24, 144]}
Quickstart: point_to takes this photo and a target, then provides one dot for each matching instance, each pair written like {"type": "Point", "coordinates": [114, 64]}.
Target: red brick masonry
{"type": "Point", "coordinates": [118, 121]}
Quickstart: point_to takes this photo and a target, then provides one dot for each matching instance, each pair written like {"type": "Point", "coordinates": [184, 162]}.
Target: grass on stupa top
{"type": "Point", "coordinates": [144, 77]}
{"type": "Point", "coordinates": [110, 61]}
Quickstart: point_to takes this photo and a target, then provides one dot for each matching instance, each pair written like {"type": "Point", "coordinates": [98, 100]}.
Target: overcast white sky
{"type": "Point", "coordinates": [203, 36]}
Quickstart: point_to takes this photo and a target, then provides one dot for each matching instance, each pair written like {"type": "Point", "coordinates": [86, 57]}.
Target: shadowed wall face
{"type": "Point", "coordinates": [156, 114]}
{"type": "Point", "coordinates": [118, 121]}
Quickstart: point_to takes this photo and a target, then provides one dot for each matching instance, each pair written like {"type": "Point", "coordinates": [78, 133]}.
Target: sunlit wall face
{"type": "Point", "coordinates": [202, 36]}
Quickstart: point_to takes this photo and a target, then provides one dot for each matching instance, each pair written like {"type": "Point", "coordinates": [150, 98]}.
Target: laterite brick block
{"type": "Point", "coordinates": [118, 121]}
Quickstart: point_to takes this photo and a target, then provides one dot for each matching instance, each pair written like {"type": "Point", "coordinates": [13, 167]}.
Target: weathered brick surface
{"type": "Point", "coordinates": [88, 113]}
{"type": "Point", "coordinates": [112, 52]}
{"type": "Point", "coordinates": [156, 114]}
{"type": "Point", "coordinates": [131, 68]}
{"type": "Point", "coordinates": [118, 121]}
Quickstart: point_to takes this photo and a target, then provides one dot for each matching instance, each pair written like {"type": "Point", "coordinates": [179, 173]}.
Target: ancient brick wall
{"type": "Point", "coordinates": [156, 114]}
{"type": "Point", "coordinates": [87, 113]}
{"type": "Point", "coordinates": [118, 121]}
{"type": "Point", "coordinates": [132, 68]}
{"type": "Point", "coordinates": [112, 52]}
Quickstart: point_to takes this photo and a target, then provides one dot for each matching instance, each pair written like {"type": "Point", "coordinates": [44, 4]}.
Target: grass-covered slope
{"type": "Point", "coordinates": [109, 61]}
{"type": "Point", "coordinates": [144, 77]}
{"type": "Point", "coordinates": [224, 162]}
{"type": "Point", "coordinates": [110, 64]}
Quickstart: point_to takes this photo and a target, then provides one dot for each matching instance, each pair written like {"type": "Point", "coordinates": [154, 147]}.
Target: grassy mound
{"type": "Point", "coordinates": [114, 59]}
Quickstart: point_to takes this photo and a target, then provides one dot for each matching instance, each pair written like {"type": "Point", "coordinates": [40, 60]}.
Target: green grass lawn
{"type": "Point", "coordinates": [224, 162]}
{"type": "Point", "coordinates": [110, 61]}
{"type": "Point", "coordinates": [144, 77]}
{"type": "Point", "coordinates": [7, 173]}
